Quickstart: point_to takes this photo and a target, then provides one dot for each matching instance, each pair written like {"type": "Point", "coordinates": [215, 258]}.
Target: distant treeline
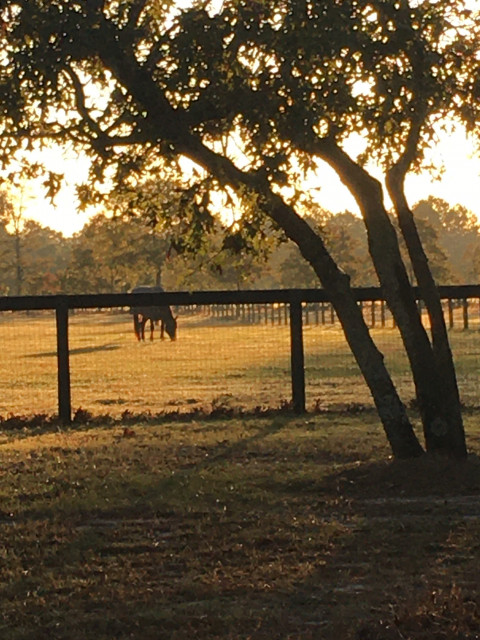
{"type": "Point", "coordinates": [115, 254]}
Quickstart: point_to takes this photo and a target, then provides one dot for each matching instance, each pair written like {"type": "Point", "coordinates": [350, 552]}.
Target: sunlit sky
{"type": "Point", "coordinates": [459, 184]}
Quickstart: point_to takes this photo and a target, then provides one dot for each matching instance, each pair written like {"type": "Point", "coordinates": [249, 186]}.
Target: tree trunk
{"type": "Point", "coordinates": [336, 283]}
{"type": "Point", "coordinates": [385, 253]}
{"type": "Point", "coordinates": [165, 123]}
{"type": "Point", "coordinates": [442, 352]}
{"type": "Point", "coordinates": [18, 263]}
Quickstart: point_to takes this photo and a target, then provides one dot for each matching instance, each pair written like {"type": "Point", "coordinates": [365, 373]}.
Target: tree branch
{"type": "Point", "coordinates": [103, 138]}
{"type": "Point", "coordinates": [135, 10]}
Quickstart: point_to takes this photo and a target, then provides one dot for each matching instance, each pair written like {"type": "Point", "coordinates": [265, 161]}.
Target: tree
{"type": "Point", "coordinates": [438, 259]}
{"type": "Point", "coordinates": [138, 88]}
{"type": "Point", "coordinates": [13, 217]}
{"type": "Point", "coordinates": [32, 257]}
{"type": "Point", "coordinates": [114, 254]}
{"type": "Point", "coordinates": [458, 234]}
{"type": "Point", "coordinates": [346, 238]}
{"type": "Point", "coordinates": [45, 257]}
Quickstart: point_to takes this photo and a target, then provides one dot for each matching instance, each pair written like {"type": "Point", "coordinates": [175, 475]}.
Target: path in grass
{"type": "Point", "coordinates": [262, 528]}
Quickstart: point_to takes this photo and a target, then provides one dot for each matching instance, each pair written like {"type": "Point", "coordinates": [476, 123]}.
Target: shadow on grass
{"type": "Point", "coordinates": [78, 351]}
{"type": "Point", "coordinates": [259, 537]}
{"type": "Point", "coordinates": [405, 564]}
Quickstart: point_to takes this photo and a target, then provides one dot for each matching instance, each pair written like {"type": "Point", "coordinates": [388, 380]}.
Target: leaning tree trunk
{"type": "Point", "coordinates": [391, 410]}
{"type": "Point", "coordinates": [430, 295]}
{"type": "Point", "coordinates": [165, 123]}
{"type": "Point", "coordinates": [440, 433]}
{"type": "Point", "coordinates": [336, 283]}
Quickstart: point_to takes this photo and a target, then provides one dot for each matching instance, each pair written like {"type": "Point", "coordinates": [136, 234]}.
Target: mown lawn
{"type": "Point", "coordinates": [266, 528]}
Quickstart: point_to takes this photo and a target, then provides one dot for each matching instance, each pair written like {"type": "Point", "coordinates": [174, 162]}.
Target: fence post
{"type": "Point", "coordinates": [450, 313]}
{"type": "Point", "coordinates": [63, 364]}
{"type": "Point", "coordinates": [297, 357]}
{"type": "Point", "coordinates": [465, 313]}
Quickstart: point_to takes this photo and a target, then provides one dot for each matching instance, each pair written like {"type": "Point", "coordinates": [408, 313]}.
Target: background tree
{"type": "Point", "coordinates": [12, 216]}
{"type": "Point", "coordinates": [32, 258]}
{"type": "Point", "coordinates": [458, 234]}
{"type": "Point", "coordinates": [346, 238]}
{"type": "Point", "coordinates": [53, 263]}
{"type": "Point", "coordinates": [46, 254]}
{"type": "Point", "coordinates": [113, 254]}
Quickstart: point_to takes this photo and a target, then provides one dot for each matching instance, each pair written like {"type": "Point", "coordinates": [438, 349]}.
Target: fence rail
{"type": "Point", "coordinates": [293, 299]}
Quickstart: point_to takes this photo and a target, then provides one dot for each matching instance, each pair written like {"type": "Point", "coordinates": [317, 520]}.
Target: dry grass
{"type": "Point", "coordinates": [282, 528]}
{"type": "Point", "coordinates": [220, 364]}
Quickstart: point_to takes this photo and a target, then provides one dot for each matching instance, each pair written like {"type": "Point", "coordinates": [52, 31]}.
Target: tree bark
{"type": "Point", "coordinates": [439, 434]}
{"type": "Point", "coordinates": [442, 353]}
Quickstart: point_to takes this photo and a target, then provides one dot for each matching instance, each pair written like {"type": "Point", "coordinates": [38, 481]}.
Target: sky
{"type": "Point", "coordinates": [459, 184]}
{"type": "Point", "coordinates": [64, 215]}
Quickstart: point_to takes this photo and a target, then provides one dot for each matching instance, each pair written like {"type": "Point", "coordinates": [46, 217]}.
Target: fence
{"type": "Point", "coordinates": [293, 307]}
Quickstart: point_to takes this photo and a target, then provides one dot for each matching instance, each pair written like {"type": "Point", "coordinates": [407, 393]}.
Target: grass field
{"type": "Point", "coordinates": [210, 365]}
{"type": "Point", "coordinates": [268, 529]}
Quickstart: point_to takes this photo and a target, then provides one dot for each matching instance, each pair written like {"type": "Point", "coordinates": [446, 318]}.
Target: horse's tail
{"type": "Point", "coordinates": [137, 326]}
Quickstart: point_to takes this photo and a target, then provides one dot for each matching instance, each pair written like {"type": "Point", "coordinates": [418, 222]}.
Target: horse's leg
{"type": "Point", "coordinates": [152, 328]}
{"type": "Point", "coordinates": [162, 330]}
{"type": "Point", "coordinates": [142, 325]}
{"type": "Point", "coordinates": [137, 327]}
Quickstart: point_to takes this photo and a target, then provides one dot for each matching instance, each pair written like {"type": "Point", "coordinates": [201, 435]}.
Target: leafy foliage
{"type": "Point", "coordinates": [457, 231]}
{"type": "Point", "coordinates": [33, 258]}
{"type": "Point", "coordinates": [137, 83]}
{"type": "Point", "coordinates": [115, 254]}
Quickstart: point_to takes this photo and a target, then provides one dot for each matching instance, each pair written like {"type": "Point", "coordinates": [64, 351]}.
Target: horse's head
{"type": "Point", "coordinates": [171, 327]}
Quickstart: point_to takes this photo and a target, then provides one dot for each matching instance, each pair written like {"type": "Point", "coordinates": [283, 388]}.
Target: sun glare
{"type": "Point", "coordinates": [62, 215]}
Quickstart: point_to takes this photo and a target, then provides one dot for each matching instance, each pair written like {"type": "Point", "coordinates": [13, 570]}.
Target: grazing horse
{"type": "Point", "coordinates": [155, 314]}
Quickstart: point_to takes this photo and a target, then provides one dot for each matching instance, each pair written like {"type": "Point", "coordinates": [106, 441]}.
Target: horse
{"type": "Point", "coordinates": [164, 315]}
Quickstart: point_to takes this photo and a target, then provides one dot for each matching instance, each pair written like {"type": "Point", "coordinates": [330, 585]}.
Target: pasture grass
{"type": "Point", "coordinates": [263, 528]}
{"type": "Point", "coordinates": [211, 365]}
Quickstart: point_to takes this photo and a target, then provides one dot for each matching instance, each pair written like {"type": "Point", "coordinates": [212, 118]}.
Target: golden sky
{"type": "Point", "coordinates": [460, 184]}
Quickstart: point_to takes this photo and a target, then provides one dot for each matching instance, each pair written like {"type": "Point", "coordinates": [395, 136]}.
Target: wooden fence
{"type": "Point", "coordinates": [290, 306]}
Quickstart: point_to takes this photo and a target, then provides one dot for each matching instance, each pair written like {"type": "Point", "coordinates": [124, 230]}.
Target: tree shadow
{"type": "Point", "coordinates": [78, 351]}
{"type": "Point", "coordinates": [408, 528]}
{"type": "Point", "coordinates": [293, 556]}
